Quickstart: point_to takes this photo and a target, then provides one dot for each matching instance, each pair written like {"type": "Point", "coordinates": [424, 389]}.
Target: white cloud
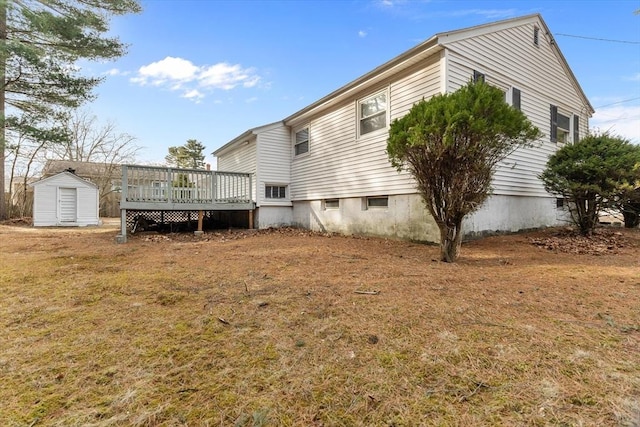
{"type": "Point", "coordinates": [177, 74]}
{"type": "Point", "coordinates": [619, 120]}
{"type": "Point", "coordinates": [172, 70]}
{"type": "Point", "coordinates": [362, 33]}
{"type": "Point", "coordinates": [194, 95]}
{"type": "Point", "coordinates": [487, 13]}
{"type": "Point", "coordinates": [115, 72]}
{"type": "Point", "coordinates": [635, 78]}
{"type": "Point", "coordinates": [226, 76]}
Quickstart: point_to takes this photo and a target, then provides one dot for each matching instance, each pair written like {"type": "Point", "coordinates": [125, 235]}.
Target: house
{"type": "Point", "coordinates": [65, 199]}
{"type": "Point", "coordinates": [325, 167]}
{"type": "Point", "coordinates": [107, 176]}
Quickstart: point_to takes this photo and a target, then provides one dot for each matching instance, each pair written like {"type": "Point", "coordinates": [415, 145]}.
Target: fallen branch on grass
{"type": "Point", "coordinates": [367, 292]}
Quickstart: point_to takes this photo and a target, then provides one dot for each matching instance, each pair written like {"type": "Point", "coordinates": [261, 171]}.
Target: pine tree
{"type": "Point", "coordinates": [189, 155]}
{"type": "Point", "coordinates": [40, 44]}
{"type": "Point", "coordinates": [452, 144]}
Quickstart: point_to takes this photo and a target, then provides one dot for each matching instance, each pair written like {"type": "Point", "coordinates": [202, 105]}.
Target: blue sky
{"type": "Point", "coordinates": [210, 70]}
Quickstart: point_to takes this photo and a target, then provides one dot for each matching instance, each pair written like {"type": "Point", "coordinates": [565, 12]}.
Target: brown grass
{"type": "Point", "coordinates": [242, 329]}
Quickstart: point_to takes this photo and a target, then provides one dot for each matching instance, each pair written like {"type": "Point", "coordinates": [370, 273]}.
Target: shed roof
{"type": "Point", "coordinates": [53, 177]}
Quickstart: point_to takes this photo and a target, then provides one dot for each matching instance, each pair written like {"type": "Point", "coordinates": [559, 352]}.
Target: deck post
{"type": "Point", "coordinates": [122, 237]}
{"type": "Point", "coordinates": [250, 219]}
{"type": "Point", "coordinates": [200, 217]}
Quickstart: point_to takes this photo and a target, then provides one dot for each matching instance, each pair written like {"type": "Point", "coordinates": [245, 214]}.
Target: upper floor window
{"type": "Point", "coordinates": [561, 126]}
{"type": "Point", "coordinates": [478, 77]}
{"type": "Point", "coordinates": [372, 113]}
{"type": "Point", "coordinates": [301, 144]}
{"type": "Point", "coordinates": [515, 98]}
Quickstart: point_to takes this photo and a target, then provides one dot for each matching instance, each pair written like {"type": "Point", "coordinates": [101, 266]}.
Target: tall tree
{"type": "Point", "coordinates": [598, 172]}
{"type": "Point", "coordinates": [189, 155]}
{"type": "Point", "coordinates": [40, 44]}
{"type": "Point", "coordinates": [29, 140]}
{"type": "Point", "coordinates": [452, 144]}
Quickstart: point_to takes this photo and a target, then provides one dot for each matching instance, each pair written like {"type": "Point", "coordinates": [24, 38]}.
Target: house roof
{"type": "Point", "coordinates": [423, 50]}
{"type": "Point", "coordinates": [74, 176]}
{"type": "Point", "coordinates": [427, 48]}
{"type": "Point", "coordinates": [83, 169]}
{"type": "Point", "coordinates": [451, 36]}
{"type": "Point", "coordinates": [246, 135]}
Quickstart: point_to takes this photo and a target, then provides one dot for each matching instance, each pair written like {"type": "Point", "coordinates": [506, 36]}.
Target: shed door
{"type": "Point", "coordinates": [68, 204]}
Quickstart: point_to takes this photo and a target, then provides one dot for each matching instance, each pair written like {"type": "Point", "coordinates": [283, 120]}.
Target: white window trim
{"type": "Point", "coordinates": [325, 207]}
{"type": "Point", "coordinates": [365, 203]}
{"type": "Point", "coordinates": [387, 114]}
{"type": "Point", "coordinates": [293, 140]}
{"type": "Point", "coordinates": [271, 184]}
{"type": "Point", "coordinates": [569, 133]}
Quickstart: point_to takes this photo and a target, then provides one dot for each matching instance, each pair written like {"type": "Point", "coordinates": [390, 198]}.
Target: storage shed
{"type": "Point", "coordinates": [65, 199]}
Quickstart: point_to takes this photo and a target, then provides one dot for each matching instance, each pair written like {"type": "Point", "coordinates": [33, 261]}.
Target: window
{"type": "Point", "coordinates": [372, 113]}
{"type": "Point", "coordinates": [478, 77]}
{"type": "Point", "coordinates": [331, 204]}
{"type": "Point", "coordinates": [536, 36]}
{"type": "Point", "coordinates": [301, 144]}
{"type": "Point", "coordinates": [559, 203]}
{"type": "Point", "coordinates": [560, 126]}
{"type": "Point", "coordinates": [377, 202]}
{"type": "Point", "coordinates": [275, 191]}
{"type": "Point", "coordinates": [515, 98]}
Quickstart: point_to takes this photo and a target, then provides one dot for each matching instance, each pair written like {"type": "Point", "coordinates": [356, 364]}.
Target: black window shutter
{"type": "Point", "coordinates": [478, 77]}
{"type": "Point", "coordinates": [554, 123]}
{"type": "Point", "coordinates": [576, 128]}
{"type": "Point", "coordinates": [515, 98]}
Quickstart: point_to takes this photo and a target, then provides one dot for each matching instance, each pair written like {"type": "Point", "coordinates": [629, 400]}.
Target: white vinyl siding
{"type": "Point", "coordinates": [241, 159]}
{"type": "Point", "coordinates": [274, 166]}
{"type": "Point", "coordinates": [509, 58]}
{"type": "Point", "coordinates": [342, 166]}
{"type": "Point", "coordinates": [65, 199]}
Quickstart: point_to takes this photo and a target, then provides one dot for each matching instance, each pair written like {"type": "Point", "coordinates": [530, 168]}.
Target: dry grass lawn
{"type": "Point", "coordinates": [267, 329]}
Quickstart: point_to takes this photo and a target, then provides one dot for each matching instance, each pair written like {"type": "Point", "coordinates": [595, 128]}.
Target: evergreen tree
{"type": "Point", "coordinates": [451, 144]}
{"type": "Point", "coordinates": [40, 43]}
{"type": "Point", "coordinates": [189, 155]}
{"type": "Point", "coordinates": [595, 173]}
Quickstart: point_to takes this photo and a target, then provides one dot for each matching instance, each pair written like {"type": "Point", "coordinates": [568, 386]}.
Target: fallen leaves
{"type": "Point", "coordinates": [601, 242]}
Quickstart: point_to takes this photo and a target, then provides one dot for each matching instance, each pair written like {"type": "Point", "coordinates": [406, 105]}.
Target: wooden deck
{"type": "Point", "coordinates": [162, 189]}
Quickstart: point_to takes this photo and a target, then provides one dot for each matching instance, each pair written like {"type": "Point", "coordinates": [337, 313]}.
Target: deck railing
{"type": "Point", "coordinates": [170, 186]}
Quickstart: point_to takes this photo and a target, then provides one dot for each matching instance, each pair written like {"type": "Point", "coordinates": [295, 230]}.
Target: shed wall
{"type": "Point", "coordinates": [47, 197]}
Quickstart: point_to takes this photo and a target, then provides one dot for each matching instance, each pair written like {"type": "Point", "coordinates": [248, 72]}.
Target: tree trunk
{"type": "Point", "coordinates": [450, 241]}
{"type": "Point", "coordinates": [631, 218]}
{"type": "Point", "coordinates": [3, 41]}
